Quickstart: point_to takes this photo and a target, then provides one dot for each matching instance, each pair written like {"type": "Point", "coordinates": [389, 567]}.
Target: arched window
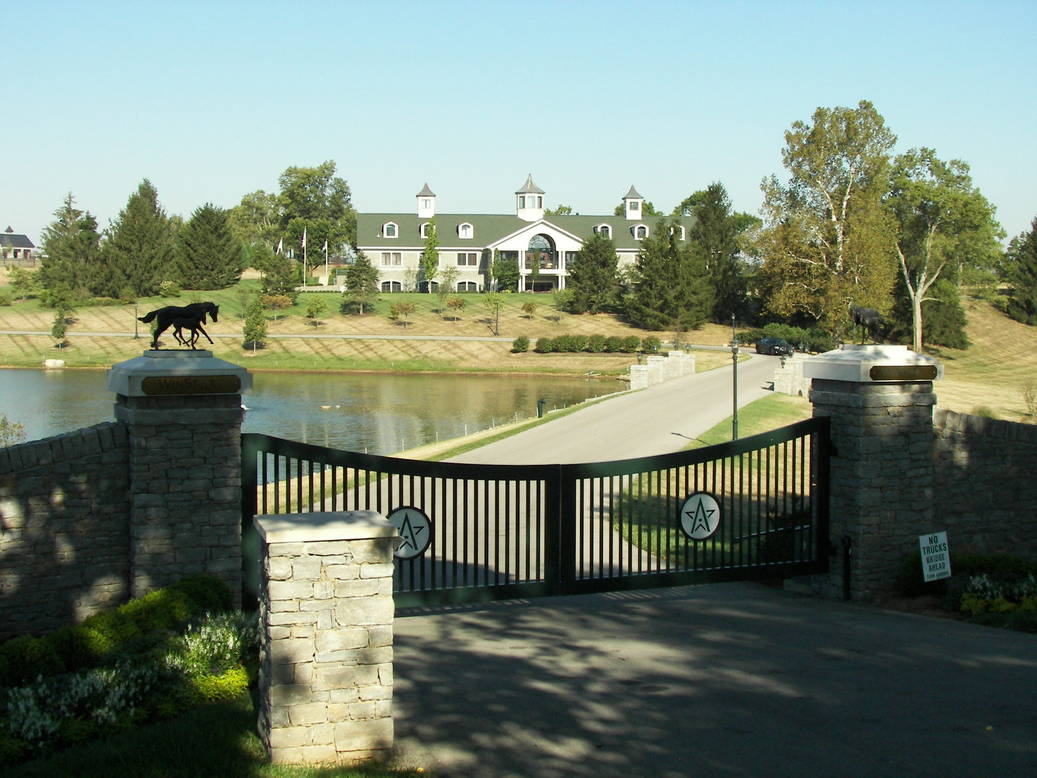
{"type": "Point", "coordinates": [604, 229]}
{"type": "Point", "coordinates": [640, 232]}
{"type": "Point", "coordinates": [390, 230]}
{"type": "Point", "coordinates": [392, 286]}
{"type": "Point", "coordinates": [465, 230]}
{"type": "Point", "coordinates": [424, 229]}
{"type": "Point", "coordinates": [467, 286]}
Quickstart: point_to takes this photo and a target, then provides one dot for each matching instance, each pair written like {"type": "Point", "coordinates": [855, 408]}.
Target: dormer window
{"type": "Point", "coordinates": [604, 229]}
{"type": "Point", "coordinates": [680, 232]}
{"type": "Point", "coordinates": [426, 228]}
{"type": "Point", "coordinates": [390, 230]}
{"type": "Point", "coordinates": [465, 231]}
{"type": "Point", "coordinates": [640, 232]}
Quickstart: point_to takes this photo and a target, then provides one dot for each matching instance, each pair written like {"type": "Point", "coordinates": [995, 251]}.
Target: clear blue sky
{"type": "Point", "coordinates": [211, 100]}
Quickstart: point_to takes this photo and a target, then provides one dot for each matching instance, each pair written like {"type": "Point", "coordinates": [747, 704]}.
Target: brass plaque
{"type": "Point", "coordinates": [191, 384]}
{"type": "Point", "coordinates": [903, 372]}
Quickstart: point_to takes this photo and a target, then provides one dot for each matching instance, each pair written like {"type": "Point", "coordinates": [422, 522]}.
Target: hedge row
{"type": "Point", "coordinates": [815, 340]}
{"type": "Point", "coordinates": [108, 634]}
{"type": "Point", "coordinates": [597, 344]}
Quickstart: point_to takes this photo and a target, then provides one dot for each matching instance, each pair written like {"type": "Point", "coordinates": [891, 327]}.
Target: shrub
{"type": "Point", "coordinates": [596, 344]}
{"type": "Point", "coordinates": [545, 346]}
{"type": "Point", "coordinates": [651, 345]}
{"type": "Point", "coordinates": [169, 289]}
{"type": "Point", "coordinates": [111, 633]}
{"type": "Point", "coordinates": [520, 345]}
{"type": "Point", "coordinates": [5, 298]}
{"type": "Point", "coordinates": [631, 344]}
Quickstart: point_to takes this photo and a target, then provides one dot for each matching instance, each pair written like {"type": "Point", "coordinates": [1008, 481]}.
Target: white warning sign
{"type": "Point", "coordinates": [936, 557]}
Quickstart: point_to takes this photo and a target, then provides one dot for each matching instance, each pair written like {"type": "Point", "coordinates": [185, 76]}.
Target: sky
{"type": "Point", "coordinates": [213, 100]}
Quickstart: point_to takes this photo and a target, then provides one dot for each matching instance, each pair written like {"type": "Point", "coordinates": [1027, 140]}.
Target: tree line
{"type": "Point", "coordinates": [847, 224]}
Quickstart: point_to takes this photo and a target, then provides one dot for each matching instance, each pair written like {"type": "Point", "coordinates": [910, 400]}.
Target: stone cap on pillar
{"type": "Point", "coordinates": [320, 526]}
{"type": "Point", "coordinates": [873, 364]}
{"type": "Point", "coordinates": [171, 373]}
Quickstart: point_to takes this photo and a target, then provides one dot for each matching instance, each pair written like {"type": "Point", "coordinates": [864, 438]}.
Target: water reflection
{"type": "Point", "coordinates": [374, 412]}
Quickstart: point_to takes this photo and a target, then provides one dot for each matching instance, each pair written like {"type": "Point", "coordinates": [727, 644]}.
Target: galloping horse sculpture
{"type": "Point", "coordinates": [190, 317]}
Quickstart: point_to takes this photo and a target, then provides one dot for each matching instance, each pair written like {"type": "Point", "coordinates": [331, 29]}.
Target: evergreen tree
{"type": "Point", "coordinates": [1021, 272]}
{"type": "Point", "coordinates": [281, 274]}
{"type": "Point", "coordinates": [671, 287]}
{"type": "Point", "coordinates": [593, 280]}
{"type": "Point", "coordinates": [139, 253]}
{"type": "Point", "coordinates": [361, 283]}
{"type": "Point", "coordinates": [715, 237]}
{"type": "Point", "coordinates": [71, 245]}
{"type": "Point", "coordinates": [254, 329]}
{"type": "Point", "coordinates": [209, 257]}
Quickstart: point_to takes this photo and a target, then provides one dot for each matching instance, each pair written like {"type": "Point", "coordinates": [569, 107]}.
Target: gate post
{"type": "Point", "coordinates": [325, 636]}
{"type": "Point", "coordinates": [880, 402]}
{"type": "Point", "coordinates": [182, 411]}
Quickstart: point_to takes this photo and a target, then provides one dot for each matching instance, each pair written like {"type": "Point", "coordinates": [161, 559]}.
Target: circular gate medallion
{"type": "Point", "coordinates": [700, 515]}
{"type": "Point", "coordinates": [415, 530]}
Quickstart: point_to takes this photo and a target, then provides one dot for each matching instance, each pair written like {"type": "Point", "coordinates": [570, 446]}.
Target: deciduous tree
{"type": "Point", "coordinates": [361, 283]}
{"type": "Point", "coordinates": [430, 256]}
{"type": "Point", "coordinates": [828, 242]}
{"type": "Point", "coordinates": [943, 224]}
{"type": "Point", "coordinates": [316, 203]}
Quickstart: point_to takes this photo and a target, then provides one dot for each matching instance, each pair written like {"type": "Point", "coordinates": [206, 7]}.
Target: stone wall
{"type": "Point", "coordinates": [64, 528]}
{"type": "Point", "coordinates": [658, 369]}
{"type": "Point", "coordinates": [985, 489]}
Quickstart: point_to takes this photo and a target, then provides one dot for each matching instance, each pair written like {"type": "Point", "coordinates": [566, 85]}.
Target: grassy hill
{"type": "Point", "coordinates": [989, 376]}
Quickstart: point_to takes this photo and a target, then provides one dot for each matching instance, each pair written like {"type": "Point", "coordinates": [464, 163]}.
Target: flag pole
{"type": "Point", "coordinates": [303, 257]}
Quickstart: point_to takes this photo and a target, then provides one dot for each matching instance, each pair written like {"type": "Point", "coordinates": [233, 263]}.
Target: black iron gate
{"type": "Point", "coordinates": [753, 508]}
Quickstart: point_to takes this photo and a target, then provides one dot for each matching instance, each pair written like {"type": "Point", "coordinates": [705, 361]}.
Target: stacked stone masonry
{"type": "Point", "coordinates": [185, 471]}
{"type": "Point", "coordinates": [64, 521]}
{"type": "Point", "coordinates": [326, 614]}
{"type": "Point", "coordinates": [985, 487]}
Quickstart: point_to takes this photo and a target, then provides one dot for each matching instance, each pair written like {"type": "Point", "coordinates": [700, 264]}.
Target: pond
{"type": "Point", "coordinates": [376, 413]}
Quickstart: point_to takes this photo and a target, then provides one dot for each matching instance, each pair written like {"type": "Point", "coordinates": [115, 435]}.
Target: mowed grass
{"type": "Point", "coordinates": [329, 352]}
{"type": "Point", "coordinates": [994, 370]}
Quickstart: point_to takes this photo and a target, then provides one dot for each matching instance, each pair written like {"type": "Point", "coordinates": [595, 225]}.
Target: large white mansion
{"type": "Point", "coordinates": [394, 241]}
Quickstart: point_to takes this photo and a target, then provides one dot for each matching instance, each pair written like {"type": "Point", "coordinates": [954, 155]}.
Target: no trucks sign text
{"type": "Point", "coordinates": [936, 559]}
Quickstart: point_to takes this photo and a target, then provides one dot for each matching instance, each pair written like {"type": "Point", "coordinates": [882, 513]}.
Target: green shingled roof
{"type": "Point", "coordinates": [490, 228]}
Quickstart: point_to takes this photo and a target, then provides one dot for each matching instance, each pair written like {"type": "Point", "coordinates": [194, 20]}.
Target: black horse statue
{"type": "Point", "coordinates": [868, 319]}
{"type": "Point", "coordinates": [190, 317]}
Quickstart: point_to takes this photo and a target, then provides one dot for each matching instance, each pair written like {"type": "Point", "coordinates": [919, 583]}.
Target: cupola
{"type": "Point", "coordinates": [529, 201]}
{"type": "Point", "coordinates": [633, 204]}
{"type": "Point", "coordinates": [426, 203]}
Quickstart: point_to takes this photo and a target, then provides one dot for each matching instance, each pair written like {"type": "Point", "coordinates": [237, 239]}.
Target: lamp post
{"type": "Point", "coordinates": [734, 380]}
{"type": "Point", "coordinates": [135, 334]}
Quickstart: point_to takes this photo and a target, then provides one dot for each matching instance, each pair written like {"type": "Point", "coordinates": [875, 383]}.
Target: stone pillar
{"type": "Point", "coordinates": [326, 619]}
{"type": "Point", "coordinates": [880, 400]}
{"type": "Point", "coordinates": [182, 410]}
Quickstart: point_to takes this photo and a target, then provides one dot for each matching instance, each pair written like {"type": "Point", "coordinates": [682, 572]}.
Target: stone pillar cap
{"type": "Point", "coordinates": [172, 373]}
{"type": "Point", "coordinates": [324, 526]}
{"type": "Point", "coordinates": [881, 363]}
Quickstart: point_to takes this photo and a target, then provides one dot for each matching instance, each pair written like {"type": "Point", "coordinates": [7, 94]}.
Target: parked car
{"type": "Point", "coordinates": [775, 346]}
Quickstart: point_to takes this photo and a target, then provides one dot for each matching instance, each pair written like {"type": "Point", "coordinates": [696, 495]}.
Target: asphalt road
{"type": "Point", "coordinates": [635, 424]}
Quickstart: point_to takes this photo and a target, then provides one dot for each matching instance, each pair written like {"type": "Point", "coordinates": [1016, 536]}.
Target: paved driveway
{"type": "Point", "coordinates": [720, 680]}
